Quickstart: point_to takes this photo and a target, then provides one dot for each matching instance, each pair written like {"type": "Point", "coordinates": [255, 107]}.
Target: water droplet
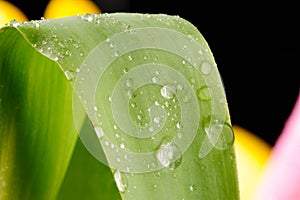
{"type": "Point", "coordinates": [213, 130]}
{"type": "Point", "coordinates": [192, 188]}
{"type": "Point", "coordinates": [69, 74]}
{"type": "Point", "coordinates": [203, 93]}
{"type": "Point", "coordinates": [95, 108]}
{"type": "Point", "coordinates": [37, 25]}
{"type": "Point", "coordinates": [99, 131]}
{"type": "Point", "coordinates": [14, 23]}
{"type": "Point", "coordinates": [178, 125]}
{"type": "Point", "coordinates": [169, 155]}
{"type": "Point", "coordinates": [140, 117]}
{"type": "Point", "coordinates": [120, 181]}
{"type": "Point", "coordinates": [156, 120]}
{"type": "Point", "coordinates": [226, 138]}
{"type": "Point", "coordinates": [206, 68]}
{"type": "Point", "coordinates": [122, 145]}
{"type": "Point", "coordinates": [154, 79]}
{"type": "Point", "coordinates": [127, 26]}
{"type": "Point", "coordinates": [117, 54]}
{"type": "Point", "coordinates": [130, 58]}
{"type": "Point", "coordinates": [129, 82]}
{"type": "Point", "coordinates": [125, 70]}
{"type": "Point", "coordinates": [200, 51]}
{"type": "Point", "coordinates": [68, 53]}
{"type": "Point", "coordinates": [168, 91]}
{"type": "Point", "coordinates": [87, 17]}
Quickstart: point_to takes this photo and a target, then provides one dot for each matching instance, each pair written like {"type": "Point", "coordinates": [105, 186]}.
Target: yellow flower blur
{"type": "Point", "coordinates": [65, 8]}
{"type": "Point", "coordinates": [252, 154]}
{"type": "Point", "coordinates": [9, 12]}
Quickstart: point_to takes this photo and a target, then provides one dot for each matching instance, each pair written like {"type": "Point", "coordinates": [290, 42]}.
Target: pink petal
{"type": "Point", "coordinates": [281, 180]}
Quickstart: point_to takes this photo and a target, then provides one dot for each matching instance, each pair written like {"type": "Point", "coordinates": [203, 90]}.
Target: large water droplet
{"type": "Point", "coordinates": [213, 130]}
{"type": "Point", "coordinates": [226, 137]}
{"type": "Point", "coordinates": [203, 93]}
{"type": "Point", "coordinates": [120, 181]}
{"type": "Point", "coordinates": [169, 155]}
{"type": "Point", "coordinates": [218, 135]}
{"type": "Point", "coordinates": [206, 68]}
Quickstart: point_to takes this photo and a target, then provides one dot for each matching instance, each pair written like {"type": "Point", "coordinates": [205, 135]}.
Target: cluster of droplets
{"type": "Point", "coordinates": [94, 18]}
{"type": "Point", "coordinates": [169, 153]}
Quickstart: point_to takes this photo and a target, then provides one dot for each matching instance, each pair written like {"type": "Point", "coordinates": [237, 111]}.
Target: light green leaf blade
{"type": "Point", "coordinates": [152, 91]}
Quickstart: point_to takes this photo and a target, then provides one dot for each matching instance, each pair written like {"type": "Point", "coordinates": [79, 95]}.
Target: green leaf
{"type": "Point", "coordinates": [37, 133]}
{"type": "Point", "coordinates": [87, 178]}
{"type": "Point", "coordinates": [153, 95]}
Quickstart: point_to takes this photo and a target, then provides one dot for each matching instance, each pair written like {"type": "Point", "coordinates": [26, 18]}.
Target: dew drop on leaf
{"type": "Point", "coordinates": [192, 188]}
{"type": "Point", "coordinates": [203, 93]}
{"type": "Point", "coordinates": [206, 68]}
{"type": "Point", "coordinates": [169, 155]}
{"type": "Point", "coordinates": [154, 79]}
{"type": "Point", "coordinates": [122, 145]}
{"type": "Point", "coordinates": [226, 138]}
{"type": "Point", "coordinates": [14, 23]}
{"type": "Point", "coordinates": [167, 91]}
{"type": "Point", "coordinates": [69, 74]}
{"type": "Point", "coordinates": [200, 51]}
{"type": "Point", "coordinates": [130, 58]}
{"type": "Point", "coordinates": [87, 17]}
{"type": "Point", "coordinates": [129, 82]}
{"type": "Point", "coordinates": [99, 131]}
{"type": "Point", "coordinates": [120, 181]}
{"type": "Point", "coordinates": [213, 131]}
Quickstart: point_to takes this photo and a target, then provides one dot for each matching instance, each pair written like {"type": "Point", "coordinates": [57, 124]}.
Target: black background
{"type": "Point", "coordinates": [255, 45]}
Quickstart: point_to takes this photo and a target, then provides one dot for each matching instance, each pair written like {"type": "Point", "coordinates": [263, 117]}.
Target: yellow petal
{"type": "Point", "coordinates": [65, 8]}
{"type": "Point", "coordinates": [9, 12]}
{"type": "Point", "coordinates": [252, 153]}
